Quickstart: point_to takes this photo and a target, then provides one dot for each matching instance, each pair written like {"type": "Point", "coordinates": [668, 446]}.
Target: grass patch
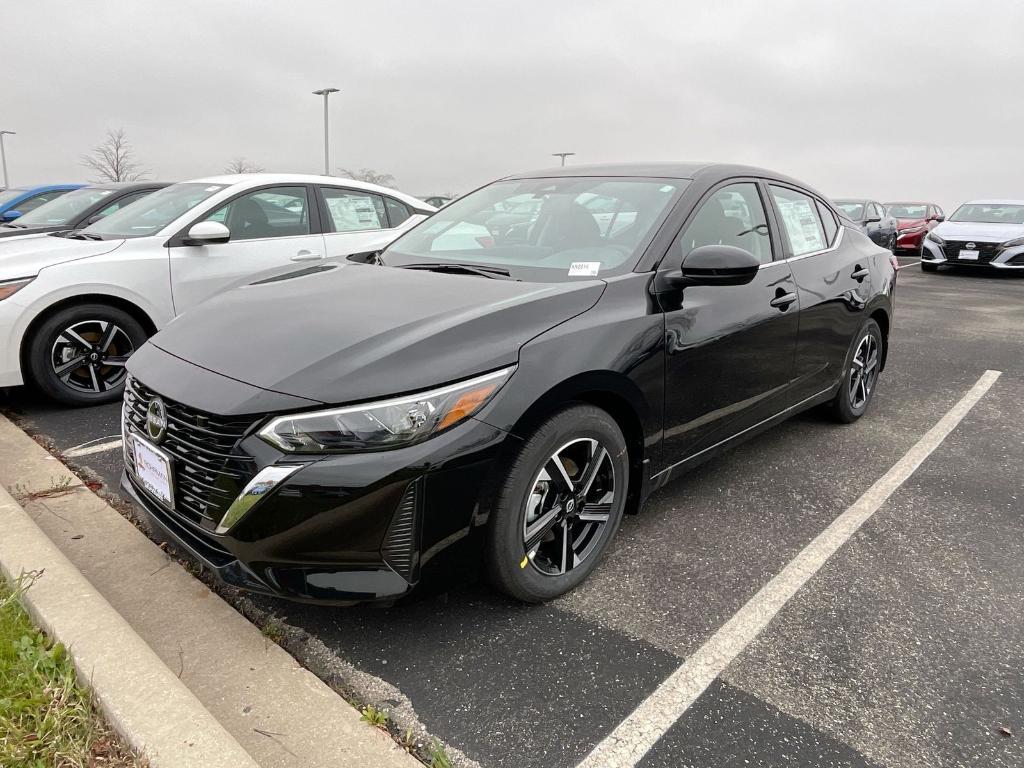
{"type": "Point", "coordinates": [46, 718]}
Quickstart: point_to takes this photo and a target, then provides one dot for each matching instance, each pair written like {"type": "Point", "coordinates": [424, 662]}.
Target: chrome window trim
{"type": "Point", "coordinates": [835, 245]}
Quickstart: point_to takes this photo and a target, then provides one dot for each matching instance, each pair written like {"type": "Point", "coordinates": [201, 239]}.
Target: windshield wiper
{"type": "Point", "coordinates": [83, 236]}
{"type": "Point", "coordinates": [498, 273]}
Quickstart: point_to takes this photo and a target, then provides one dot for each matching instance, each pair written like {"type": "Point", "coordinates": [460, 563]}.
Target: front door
{"type": "Point", "coordinates": [729, 349]}
{"type": "Point", "coordinates": [270, 228]}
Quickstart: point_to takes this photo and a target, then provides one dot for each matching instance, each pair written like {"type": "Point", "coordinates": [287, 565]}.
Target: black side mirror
{"type": "Point", "coordinates": [872, 220]}
{"type": "Point", "coordinates": [939, 219]}
{"type": "Point", "coordinates": [715, 265]}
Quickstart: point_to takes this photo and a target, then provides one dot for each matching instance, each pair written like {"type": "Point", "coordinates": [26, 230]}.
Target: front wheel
{"type": "Point", "coordinates": [926, 267]}
{"type": "Point", "coordinates": [559, 505]}
{"type": "Point", "coordinates": [860, 377]}
{"type": "Point", "coordinates": [78, 355]}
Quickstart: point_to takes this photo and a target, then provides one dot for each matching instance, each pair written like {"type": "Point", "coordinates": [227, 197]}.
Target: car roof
{"type": "Point", "coordinates": [130, 185]}
{"type": "Point", "coordinates": [994, 202]}
{"type": "Point", "coordinates": [909, 202]}
{"type": "Point", "coordinates": [243, 180]}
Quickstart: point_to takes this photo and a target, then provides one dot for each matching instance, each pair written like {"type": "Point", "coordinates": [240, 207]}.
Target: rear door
{"type": "Point", "coordinates": [271, 227]}
{"type": "Point", "coordinates": [729, 349]}
{"type": "Point", "coordinates": [833, 283]}
{"type": "Point", "coordinates": [358, 221]}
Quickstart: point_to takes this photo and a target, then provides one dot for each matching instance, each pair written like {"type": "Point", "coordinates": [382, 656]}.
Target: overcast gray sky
{"type": "Point", "coordinates": [907, 99]}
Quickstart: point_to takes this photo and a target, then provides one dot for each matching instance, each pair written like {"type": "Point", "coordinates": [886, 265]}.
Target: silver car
{"type": "Point", "coordinates": [980, 233]}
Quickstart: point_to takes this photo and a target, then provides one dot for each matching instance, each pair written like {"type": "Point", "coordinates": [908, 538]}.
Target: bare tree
{"type": "Point", "coordinates": [243, 165]}
{"type": "Point", "coordinates": [114, 159]}
{"type": "Point", "coordinates": [368, 175]}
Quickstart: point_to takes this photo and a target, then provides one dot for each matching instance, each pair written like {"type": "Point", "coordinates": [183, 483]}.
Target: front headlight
{"type": "Point", "coordinates": [1008, 244]}
{"type": "Point", "coordinates": [935, 238]}
{"type": "Point", "coordinates": [386, 423]}
{"type": "Point", "coordinates": [11, 287]}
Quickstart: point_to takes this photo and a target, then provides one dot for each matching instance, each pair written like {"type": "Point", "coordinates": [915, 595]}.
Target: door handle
{"type": "Point", "coordinates": [859, 273]}
{"type": "Point", "coordinates": [307, 256]}
{"type": "Point", "coordinates": [782, 300]}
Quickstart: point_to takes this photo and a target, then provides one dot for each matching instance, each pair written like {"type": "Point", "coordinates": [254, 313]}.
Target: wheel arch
{"type": "Point", "coordinates": [613, 393]}
{"type": "Point", "coordinates": [881, 316]}
{"type": "Point", "coordinates": [123, 304]}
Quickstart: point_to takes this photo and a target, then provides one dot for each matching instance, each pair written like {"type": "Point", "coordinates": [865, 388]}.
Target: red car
{"type": "Point", "coordinates": [913, 222]}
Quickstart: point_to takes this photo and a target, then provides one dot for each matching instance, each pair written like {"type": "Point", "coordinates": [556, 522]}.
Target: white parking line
{"type": "Point", "coordinates": [633, 738]}
{"type": "Point", "coordinates": [92, 447]}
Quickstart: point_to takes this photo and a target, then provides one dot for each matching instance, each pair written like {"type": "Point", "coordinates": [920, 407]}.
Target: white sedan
{"type": "Point", "coordinates": [74, 306]}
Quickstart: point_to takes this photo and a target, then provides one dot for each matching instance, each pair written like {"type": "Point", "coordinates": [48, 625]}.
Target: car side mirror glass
{"type": "Point", "coordinates": [10, 215]}
{"type": "Point", "coordinates": [93, 219]}
{"type": "Point", "coordinates": [939, 219]}
{"type": "Point", "coordinates": [715, 265]}
{"type": "Point", "coordinates": [207, 233]}
{"type": "Point", "coordinates": [872, 219]}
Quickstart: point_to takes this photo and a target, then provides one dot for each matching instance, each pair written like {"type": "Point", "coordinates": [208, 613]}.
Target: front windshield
{"type": "Point", "coordinates": [544, 229]}
{"type": "Point", "coordinates": [154, 212]}
{"type": "Point", "coordinates": [10, 194]}
{"type": "Point", "coordinates": [64, 209]}
{"type": "Point", "coordinates": [989, 213]}
{"type": "Point", "coordinates": [907, 211]}
{"type": "Point", "coordinates": [853, 211]}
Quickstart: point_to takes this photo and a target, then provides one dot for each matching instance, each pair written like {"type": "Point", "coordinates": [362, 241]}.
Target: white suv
{"type": "Point", "coordinates": [74, 306]}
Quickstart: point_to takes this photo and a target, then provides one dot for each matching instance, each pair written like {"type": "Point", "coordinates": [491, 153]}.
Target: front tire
{"type": "Point", "coordinates": [860, 376]}
{"type": "Point", "coordinates": [559, 505]}
{"type": "Point", "coordinates": [78, 355]}
{"type": "Point", "coordinates": [926, 267]}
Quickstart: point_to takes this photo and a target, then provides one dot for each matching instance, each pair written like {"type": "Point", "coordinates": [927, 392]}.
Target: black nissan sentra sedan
{"type": "Point", "coordinates": [500, 389]}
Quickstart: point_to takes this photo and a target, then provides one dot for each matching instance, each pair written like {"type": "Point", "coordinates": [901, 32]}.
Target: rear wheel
{"type": "Point", "coordinates": [559, 505]}
{"type": "Point", "coordinates": [78, 355]}
{"type": "Point", "coordinates": [863, 364]}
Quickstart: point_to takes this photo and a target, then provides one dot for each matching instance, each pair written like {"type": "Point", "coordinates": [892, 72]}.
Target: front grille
{"type": "Point", "coordinates": [986, 251]}
{"type": "Point", "coordinates": [208, 471]}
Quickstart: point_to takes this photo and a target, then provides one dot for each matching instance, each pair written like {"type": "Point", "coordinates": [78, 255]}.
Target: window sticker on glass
{"type": "Point", "coordinates": [801, 225]}
{"type": "Point", "coordinates": [584, 268]}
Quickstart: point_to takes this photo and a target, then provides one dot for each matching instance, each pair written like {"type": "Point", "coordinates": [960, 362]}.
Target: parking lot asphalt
{"type": "Point", "coordinates": [904, 650]}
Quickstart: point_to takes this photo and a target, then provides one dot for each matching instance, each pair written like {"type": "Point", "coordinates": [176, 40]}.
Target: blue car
{"type": "Point", "coordinates": [18, 200]}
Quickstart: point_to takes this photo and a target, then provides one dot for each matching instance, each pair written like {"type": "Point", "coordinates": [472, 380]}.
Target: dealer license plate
{"type": "Point", "coordinates": [153, 470]}
{"type": "Point", "coordinates": [968, 256]}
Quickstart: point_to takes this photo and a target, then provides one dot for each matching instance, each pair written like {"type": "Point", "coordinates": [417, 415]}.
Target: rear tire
{"type": "Point", "coordinates": [77, 356]}
{"type": "Point", "coordinates": [860, 375]}
{"type": "Point", "coordinates": [548, 530]}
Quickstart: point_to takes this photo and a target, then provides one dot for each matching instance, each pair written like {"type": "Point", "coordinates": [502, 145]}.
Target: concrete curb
{"type": "Point", "coordinates": [280, 713]}
{"type": "Point", "coordinates": [141, 698]}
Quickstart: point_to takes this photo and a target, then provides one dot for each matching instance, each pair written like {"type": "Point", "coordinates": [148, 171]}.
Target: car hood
{"type": "Point", "coordinates": [25, 256]}
{"type": "Point", "coordinates": [988, 233]}
{"type": "Point", "coordinates": [910, 223]}
{"type": "Point", "coordinates": [360, 332]}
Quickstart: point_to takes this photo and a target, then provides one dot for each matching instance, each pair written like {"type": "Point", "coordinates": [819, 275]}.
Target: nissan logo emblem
{"type": "Point", "coordinates": [971, 246]}
{"type": "Point", "coordinates": [156, 420]}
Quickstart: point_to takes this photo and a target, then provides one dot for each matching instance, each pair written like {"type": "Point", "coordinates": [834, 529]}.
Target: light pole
{"type": "Point", "coordinates": [3, 155]}
{"type": "Point", "coordinates": [562, 155]}
{"type": "Point", "coordinates": [325, 92]}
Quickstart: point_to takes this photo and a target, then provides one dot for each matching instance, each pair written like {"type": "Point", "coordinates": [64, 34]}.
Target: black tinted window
{"type": "Point", "coordinates": [273, 212]}
{"type": "Point", "coordinates": [397, 212]}
{"type": "Point", "coordinates": [828, 221]}
{"type": "Point", "coordinates": [734, 215]}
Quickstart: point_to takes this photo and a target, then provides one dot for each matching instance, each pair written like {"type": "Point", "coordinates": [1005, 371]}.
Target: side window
{"type": "Point", "coordinates": [828, 221]}
{"type": "Point", "coordinates": [799, 220]}
{"type": "Point", "coordinates": [734, 215]}
{"type": "Point", "coordinates": [120, 203]}
{"type": "Point", "coordinates": [352, 211]}
{"type": "Point", "coordinates": [272, 212]}
{"type": "Point", "coordinates": [397, 212]}
{"type": "Point", "coordinates": [34, 202]}
{"type": "Point", "coordinates": [879, 211]}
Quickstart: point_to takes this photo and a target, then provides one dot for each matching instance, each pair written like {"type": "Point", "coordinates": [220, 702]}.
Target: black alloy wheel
{"type": "Point", "coordinates": [860, 378]}
{"type": "Point", "coordinates": [78, 355]}
{"type": "Point", "coordinates": [559, 506]}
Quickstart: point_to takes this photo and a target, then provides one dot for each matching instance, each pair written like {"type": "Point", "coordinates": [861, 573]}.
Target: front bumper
{"type": "Point", "coordinates": [911, 241]}
{"type": "Point", "coordinates": [989, 255]}
{"type": "Point", "coordinates": [343, 528]}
